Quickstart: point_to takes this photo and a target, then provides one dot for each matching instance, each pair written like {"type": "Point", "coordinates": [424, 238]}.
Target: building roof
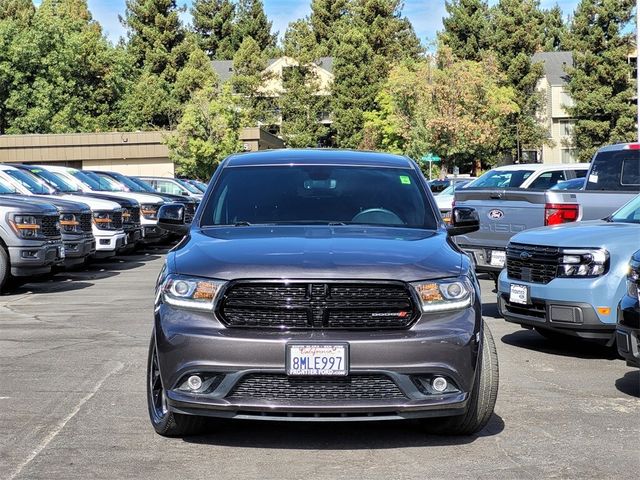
{"type": "Point", "coordinates": [224, 68]}
{"type": "Point", "coordinates": [555, 65]}
{"type": "Point", "coordinates": [318, 156]}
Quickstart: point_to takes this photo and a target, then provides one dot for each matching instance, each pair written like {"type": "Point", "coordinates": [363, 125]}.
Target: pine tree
{"type": "Point", "coordinates": [600, 82]}
{"type": "Point", "coordinates": [325, 14]}
{"type": "Point", "coordinates": [554, 29]}
{"type": "Point", "coordinates": [155, 31]}
{"type": "Point", "coordinates": [213, 23]}
{"type": "Point", "coordinates": [466, 28]}
{"type": "Point", "coordinates": [253, 22]}
{"type": "Point", "coordinates": [300, 43]}
{"type": "Point", "coordinates": [354, 90]}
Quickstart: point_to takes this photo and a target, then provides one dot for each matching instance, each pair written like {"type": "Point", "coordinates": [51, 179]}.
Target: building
{"type": "Point", "coordinates": [130, 153]}
{"type": "Point", "coordinates": [554, 116]}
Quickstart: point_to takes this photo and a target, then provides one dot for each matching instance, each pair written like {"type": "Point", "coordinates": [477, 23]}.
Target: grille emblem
{"type": "Point", "coordinates": [525, 256]}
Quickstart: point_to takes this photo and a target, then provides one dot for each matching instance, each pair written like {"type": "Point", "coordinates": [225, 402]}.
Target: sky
{"type": "Point", "coordinates": [425, 15]}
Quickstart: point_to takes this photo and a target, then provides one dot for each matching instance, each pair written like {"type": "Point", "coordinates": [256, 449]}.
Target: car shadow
{"type": "Point", "coordinates": [629, 384]}
{"type": "Point", "coordinates": [569, 347]}
{"type": "Point", "coordinates": [377, 435]}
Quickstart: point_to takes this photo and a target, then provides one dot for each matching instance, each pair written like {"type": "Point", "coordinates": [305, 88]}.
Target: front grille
{"type": "Point", "coordinates": [85, 222]}
{"type": "Point", "coordinates": [189, 212]}
{"type": "Point", "coordinates": [537, 309]}
{"type": "Point", "coordinates": [319, 305]}
{"type": "Point", "coordinates": [532, 263]}
{"type": "Point", "coordinates": [51, 226]}
{"type": "Point", "coordinates": [260, 386]}
{"type": "Point", "coordinates": [116, 221]}
{"type": "Point", "coordinates": [134, 216]}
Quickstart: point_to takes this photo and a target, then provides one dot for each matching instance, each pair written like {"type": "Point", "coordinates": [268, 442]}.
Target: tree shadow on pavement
{"type": "Point", "coordinates": [569, 347]}
{"type": "Point", "coordinates": [629, 383]}
{"type": "Point", "coordinates": [331, 435]}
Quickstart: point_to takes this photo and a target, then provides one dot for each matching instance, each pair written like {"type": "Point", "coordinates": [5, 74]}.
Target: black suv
{"type": "Point", "coordinates": [319, 285]}
{"type": "Point", "coordinates": [628, 328]}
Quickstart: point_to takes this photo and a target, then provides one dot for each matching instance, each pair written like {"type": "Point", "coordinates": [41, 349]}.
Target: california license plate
{"type": "Point", "coordinates": [519, 294]}
{"type": "Point", "coordinates": [498, 258]}
{"type": "Point", "coordinates": [317, 359]}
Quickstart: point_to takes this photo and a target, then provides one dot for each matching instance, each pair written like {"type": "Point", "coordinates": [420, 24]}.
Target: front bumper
{"type": "Point", "coordinates": [77, 249]}
{"type": "Point", "coordinates": [574, 315]}
{"type": "Point", "coordinates": [192, 342]}
{"type": "Point", "coordinates": [107, 243]}
{"type": "Point", "coordinates": [153, 232]}
{"type": "Point", "coordinates": [628, 330]}
{"type": "Point", "coordinates": [35, 257]}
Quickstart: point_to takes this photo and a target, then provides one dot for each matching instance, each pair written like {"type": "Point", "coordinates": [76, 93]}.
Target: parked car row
{"type": "Point", "coordinates": [576, 274]}
{"type": "Point", "coordinates": [58, 217]}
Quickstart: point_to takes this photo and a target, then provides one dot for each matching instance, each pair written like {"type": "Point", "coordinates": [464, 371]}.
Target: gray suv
{"type": "Point", "coordinates": [319, 285]}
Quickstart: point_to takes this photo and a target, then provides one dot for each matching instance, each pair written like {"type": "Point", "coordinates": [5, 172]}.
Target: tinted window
{"type": "Point", "coordinates": [165, 186]}
{"type": "Point", "coordinates": [547, 180]}
{"type": "Point", "coordinates": [30, 182]}
{"type": "Point", "coordinates": [615, 171]}
{"type": "Point", "coordinates": [501, 179]}
{"type": "Point", "coordinates": [87, 180]}
{"type": "Point", "coordinates": [5, 187]}
{"type": "Point", "coordinates": [312, 195]}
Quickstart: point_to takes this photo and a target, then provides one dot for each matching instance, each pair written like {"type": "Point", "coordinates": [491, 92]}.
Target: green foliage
{"type": "Point", "coordinates": [301, 107]}
{"type": "Point", "coordinates": [213, 23]}
{"type": "Point", "coordinates": [466, 28]}
{"type": "Point", "coordinates": [299, 42]}
{"type": "Point", "coordinates": [554, 29]}
{"type": "Point", "coordinates": [355, 87]}
{"type": "Point", "coordinates": [601, 84]}
{"type": "Point", "coordinates": [325, 15]}
{"type": "Point", "coordinates": [253, 22]}
{"type": "Point", "coordinates": [207, 132]}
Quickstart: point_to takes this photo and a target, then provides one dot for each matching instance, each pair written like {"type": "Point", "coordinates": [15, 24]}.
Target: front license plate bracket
{"type": "Point", "coordinates": [317, 359]}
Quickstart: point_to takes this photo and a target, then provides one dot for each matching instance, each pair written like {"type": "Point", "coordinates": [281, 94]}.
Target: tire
{"type": "Point", "coordinates": [5, 269]}
{"type": "Point", "coordinates": [165, 422]}
{"type": "Point", "coordinates": [482, 399]}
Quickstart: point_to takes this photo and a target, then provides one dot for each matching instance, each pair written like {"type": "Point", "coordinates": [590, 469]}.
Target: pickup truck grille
{"type": "Point", "coordinates": [532, 263]}
{"type": "Point", "coordinates": [317, 305]}
{"type": "Point", "coordinates": [189, 212]}
{"type": "Point", "coordinates": [134, 217]}
{"type": "Point", "coordinates": [85, 222]}
{"type": "Point", "coordinates": [51, 226]}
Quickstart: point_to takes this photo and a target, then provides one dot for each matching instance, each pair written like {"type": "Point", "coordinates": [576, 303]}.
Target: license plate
{"type": "Point", "coordinates": [519, 294]}
{"type": "Point", "coordinates": [498, 258]}
{"type": "Point", "coordinates": [317, 359]}
{"type": "Point", "coordinates": [61, 252]}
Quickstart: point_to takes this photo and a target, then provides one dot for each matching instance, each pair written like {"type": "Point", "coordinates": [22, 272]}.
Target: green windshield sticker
{"type": "Point", "coordinates": [405, 180]}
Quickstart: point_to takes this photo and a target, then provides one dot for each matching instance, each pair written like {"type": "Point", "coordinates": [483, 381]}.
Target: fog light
{"type": "Point", "coordinates": [194, 382]}
{"type": "Point", "coordinates": [439, 384]}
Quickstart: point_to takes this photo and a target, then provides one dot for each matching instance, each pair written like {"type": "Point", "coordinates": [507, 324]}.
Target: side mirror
{"type": "Point", "coordinates": [463, 220]}
{"type": "Point", "coordinates": [171, 218]}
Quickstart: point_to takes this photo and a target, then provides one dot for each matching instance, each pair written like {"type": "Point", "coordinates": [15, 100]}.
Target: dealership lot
{"type": "Point", "coordinates": [72, 402]}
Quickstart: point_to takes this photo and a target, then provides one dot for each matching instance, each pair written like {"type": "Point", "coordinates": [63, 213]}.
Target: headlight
{"type": "Point", "coordinates": [633, 280]}
{"type": "Point", "coordinates": [442, 295]}
{"type": "Point", "coordinates": [26, 226]}
{"type": "Point", "coordinates": [150, 212]}
{"type": "Point", "coordinates": [126, 215]}
{"type": "Point", "coordinates": [590, 262]}
{"type": "Point", "coordinates": [69, 222]}
{"type": "Point", "coordinates": [188, 292]}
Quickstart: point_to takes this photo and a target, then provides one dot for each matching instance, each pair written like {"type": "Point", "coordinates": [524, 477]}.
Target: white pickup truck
{"type": "Point", "coordinates": [506, 207]}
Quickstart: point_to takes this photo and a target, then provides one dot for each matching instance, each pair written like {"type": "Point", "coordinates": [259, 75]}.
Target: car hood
{"type": "Point", "coordinates": [25, 204]}
{"type": "Point", "coordinates": [65, 205]}
{"type": "Point", "coordinates": [92, 202]}
{"type": "Point", "coordinates": [139, 197]}
{"type": "Point", "coordinates": [592, 233]}
{"type": "Point", "coordinates": [294, 252]}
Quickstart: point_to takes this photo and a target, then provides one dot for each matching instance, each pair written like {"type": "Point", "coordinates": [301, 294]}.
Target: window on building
{"type": "Point", "coordinates": [568, 155]}
{"type": "Point", "coordinates": [566, 127]}
{"type": "Point", "coordinates": [565, 99]}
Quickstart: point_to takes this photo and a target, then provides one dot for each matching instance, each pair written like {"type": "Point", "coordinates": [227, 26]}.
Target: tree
{"type": "Point", "coordinates": [325, 15]}
{"type": "Point", "coordinates": [466, 28]}
{"type": "Point", "coordinates": [207, 133]}
{"type": "Point", "coordinates": [600, 81]}
{"type": "Point", "coordinates": [554, 29]}
{"type": "Point", "coordinates": [355, 88]}
{"type": "Point", "coordinates": [249, 77]}
{"type": "Point", "coordinates": [213, 23]}
{"type": "Point", "coordinates": [253, 22]}
{"type": "Point", "coordinates": [299, 42]}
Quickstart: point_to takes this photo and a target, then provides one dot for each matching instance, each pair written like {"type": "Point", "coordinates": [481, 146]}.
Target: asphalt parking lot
{"type": "Point", "coordinates": [72, 403]}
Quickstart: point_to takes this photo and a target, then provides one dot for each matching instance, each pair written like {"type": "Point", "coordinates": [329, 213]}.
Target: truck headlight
{"type": "Point", "coordinates": [149, 211]}
{"type": "Point", "coordinates": [589, 262]}
{"type": "Point", "coordinates": [442, 295]}
{"type": "Point", "coordinates": [103, 219]}
{"type": "Point", "coordinates": [26, 226]}
{"type": "Point", "coordinates": [69, 222]}
{"type": "Point", "coordinates": [189, 292]}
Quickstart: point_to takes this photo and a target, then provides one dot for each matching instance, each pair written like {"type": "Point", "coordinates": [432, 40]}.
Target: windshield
{"type": "Point", "coordinates": [188, 186]}
{"type": "Point", "coordinates": [501, 179]}
{"type": "Point", "coordinates": [30, 182]}
{"type": "Point", "coordinates": [105, 184]}
{"type": "Point", "coordinates": [574, 184]}
{"type": "Point", "coordinates": [108, 182]}
{"type": "Point", "coordinates": [629, 213]}
{"type": "Point", "coordinates": [87, 180]}
{"type": "Point", "coordinates": [6, 187]}
{"type": "Point", "coordinates": [56, 180]}
{"type": "Point", "coordinates": [199, 185]}
{"type": "Point", "coordinates": [143, 185]}
{"type": "Point", "coordinates": [319, 195]}
{"type": "Point", "coordinates": [454, 187]}
{"type": "Point", "coordinates": [127, 182]}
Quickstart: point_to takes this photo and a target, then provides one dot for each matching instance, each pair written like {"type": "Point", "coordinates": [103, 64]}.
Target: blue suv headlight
{"type": "Point", "coordinates": [583, 262]}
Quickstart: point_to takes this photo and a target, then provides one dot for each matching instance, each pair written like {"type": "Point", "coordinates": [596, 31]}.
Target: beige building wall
{"type": "Point", "coordinates": [558, 123]}
{"type": "Point", "coordinates": [156, 167]}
